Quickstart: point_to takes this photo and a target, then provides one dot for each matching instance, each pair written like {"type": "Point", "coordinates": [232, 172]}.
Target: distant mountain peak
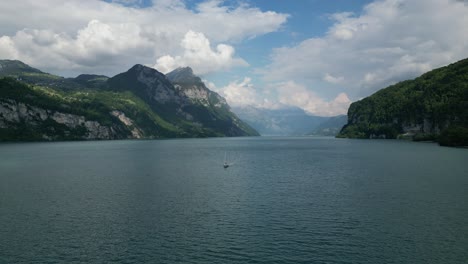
{"type": "Point", "coordinates": [184, 71]}
{"type": "Point", "coordinates": [183, 75]}
{"type": "Point", "coordinates": [140, 67]}
{"type": "Point", "coordinates": [145, 72]}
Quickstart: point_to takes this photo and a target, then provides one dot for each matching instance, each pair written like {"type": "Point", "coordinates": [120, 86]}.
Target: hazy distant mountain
{"type": "Point", "coordinates": [281, 122]}
{"type": "Point", "coordinates": [331, 126]}
{"type": "Point", "coordinates": [140, 103]}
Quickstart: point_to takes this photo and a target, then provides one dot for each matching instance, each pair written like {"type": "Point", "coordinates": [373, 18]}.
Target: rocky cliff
{"type": "Point", "coordinates": [192, 87]}
{"type": "Point", "coordinates": [27, 122]}
{"type": "Point", "coordinates": [209, 104]}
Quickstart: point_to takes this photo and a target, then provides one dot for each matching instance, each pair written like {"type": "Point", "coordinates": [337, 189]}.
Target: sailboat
{"type": "Point", "coordinates": [226, 164]}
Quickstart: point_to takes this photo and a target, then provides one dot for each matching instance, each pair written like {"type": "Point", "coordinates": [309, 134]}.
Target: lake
{"type": "Point", "coordinates": [283, 200]}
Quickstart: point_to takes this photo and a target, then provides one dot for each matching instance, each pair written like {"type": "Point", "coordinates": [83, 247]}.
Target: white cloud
{"type": "Point", "coordinates": [332, 79]}
{"type": "Point", "coordinates": [199, 55]}
{"type": "Point", "coordinates": [7, 48]}
{"type": "Point", "coordinates": [392, 40]}
{"type": "Point", "coordinates": [281, 95]}
{"type": "Point", "coordinates": [97, 46]}
{"type": "Point", "coordinates": [240, 93]}
{"type": "Point", "coordinates": [128, 2]}
{"type": "Point", "coordinates": [238, 23]}
{"type": "Point", "coordinates": [94, 36]}
{"type": "Point", "coordinates": [210, 85]}
{"type": "Point", "coordinates": [293, 94]}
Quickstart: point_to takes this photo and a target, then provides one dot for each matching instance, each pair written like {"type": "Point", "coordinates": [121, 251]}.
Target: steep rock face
{"type": "Point", "coordinates": [193, 87]}
{"type": "Point", "coordinates": [421, 109]}
{"type": "Point", "coordinates": [210, 106]}
{"type": "Point", "coordinates": [149, 84]}
{"type": "Point", "coordinates": [136, 132]}
{"type": "Point", "coordinates": [157, 86]}
{"type": "Point", "coordinates": [48, 124]}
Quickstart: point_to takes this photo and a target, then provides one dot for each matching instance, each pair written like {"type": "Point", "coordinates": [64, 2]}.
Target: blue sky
{"type": "Point", "coordinates": [313, 54]}
{"type": "Point", "coordinates": [306, 19]}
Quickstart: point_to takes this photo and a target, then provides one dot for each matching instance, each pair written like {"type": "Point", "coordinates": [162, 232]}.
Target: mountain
{"type": "Point", "coordinates": [91, 80]}
{"type": "Point", "coordinates": [184, 75]}
{"type": "Point", "coordinates": [279, 122]}
{"type": "Point", "coordinates": [27, 74]}
{"type": "Point", "coordinates": [208, 105]}
{"type": "Point", "coordinates": [140, 103]}
{"type": "Point", "coordinates": [433, 106]}
{"type": "Point", "coordinates": [181, 98]}
{"type": "Point", "coordinates": [330, 127]}
{"type": "Point", "coordinates": [17, 68]}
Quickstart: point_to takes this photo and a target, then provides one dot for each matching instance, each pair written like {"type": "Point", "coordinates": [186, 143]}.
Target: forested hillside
{"type": "Point", "coordinates": [431, 107]}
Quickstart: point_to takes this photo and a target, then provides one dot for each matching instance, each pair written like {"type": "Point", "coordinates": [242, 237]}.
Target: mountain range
{"type": "Point", "coordinates": [139, 103]}
{"type": "Point", "coordinates": [289, 121]}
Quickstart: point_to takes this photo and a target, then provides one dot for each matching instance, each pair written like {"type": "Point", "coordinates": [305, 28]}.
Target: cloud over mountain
{"type": "Point", "coordinates": [283, 95]}
{"type": "Point", "coordinates": [82, 36]}
{"type": "Point", "coordinates": [199, 55]}
{"type": "Point", "coordinates": [351, 55]}
{"type": "Point", "coordinates": [390, 41]}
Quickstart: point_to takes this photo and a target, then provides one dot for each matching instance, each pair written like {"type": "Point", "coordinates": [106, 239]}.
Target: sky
{"type": "Point", "coordinates": [318, 55]}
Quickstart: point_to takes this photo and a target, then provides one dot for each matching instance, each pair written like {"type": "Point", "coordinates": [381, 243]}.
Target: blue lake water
{"type": "Point", "coordinates": [284, 200]}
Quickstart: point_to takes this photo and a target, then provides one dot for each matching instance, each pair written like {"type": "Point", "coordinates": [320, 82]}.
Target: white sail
{"type": "Point", "coordinates": [225, 164]}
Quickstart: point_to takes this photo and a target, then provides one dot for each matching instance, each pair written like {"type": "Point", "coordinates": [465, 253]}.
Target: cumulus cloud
{"type": "Point", "coordinates": [392, 40]}
{"type": "Point", "coordinates": [199, 55]}
{"type": "Point", "coordinates": [98, 46]}
{"type": "Point", "coordinates": [240, 93]}
{"type": "Point", "coordinates": [332, 79]}
{"type": "Point", "coordinates": [7, 48]}
{"type": "Point", "coordinates": [105, 37]}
